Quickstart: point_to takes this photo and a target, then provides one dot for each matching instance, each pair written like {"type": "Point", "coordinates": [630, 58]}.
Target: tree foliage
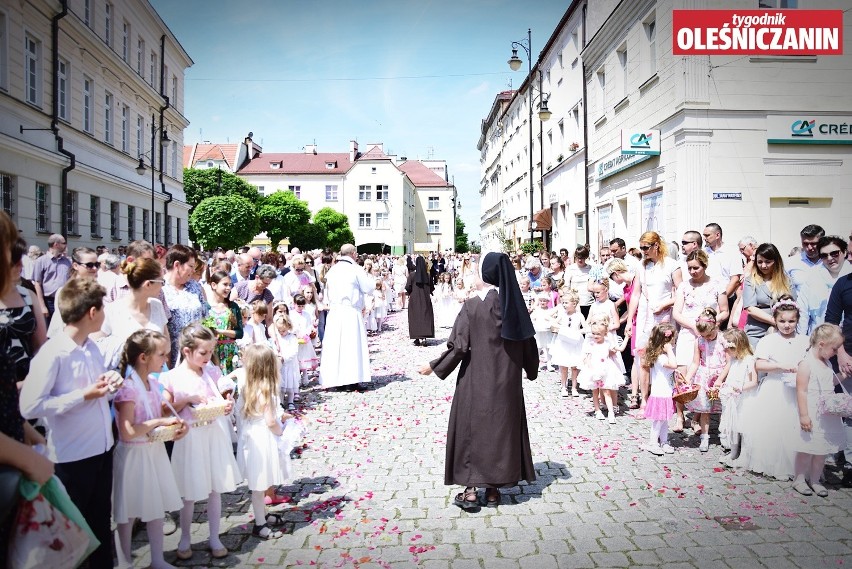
{"type": "Point", "coordinates": [336, 227]}
{"type": "Point", "coordinates": [532, 247]}
{"type": "Point", "coordinates": [224, 221]}
{"type": "Point", "coordinates": [282, 214]}
{"type": "Point", "coordinates": [462, 245]}
{"type": "Point", "coordinates": [308, 236]}
{"type": "Point", "coordinates": [201, 184]}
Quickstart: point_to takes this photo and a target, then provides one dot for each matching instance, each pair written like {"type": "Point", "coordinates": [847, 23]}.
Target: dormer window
{"type": "Point", "coordinates": [330, 165]}
{"type": "Point", "coordinates": [275, 165]}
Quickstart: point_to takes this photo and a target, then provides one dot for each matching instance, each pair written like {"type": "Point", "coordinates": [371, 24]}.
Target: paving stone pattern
{"type": "Point", "coordinates": [369, 491]}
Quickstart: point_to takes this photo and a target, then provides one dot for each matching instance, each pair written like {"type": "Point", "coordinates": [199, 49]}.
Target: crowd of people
{"type": "Point", "coordinates": [129, 374]}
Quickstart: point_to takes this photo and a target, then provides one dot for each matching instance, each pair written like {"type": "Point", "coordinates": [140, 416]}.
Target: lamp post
{"type": "Point", "coordinates": [543, 114]}
{"type": "Point", "coordinates": [140, 168]}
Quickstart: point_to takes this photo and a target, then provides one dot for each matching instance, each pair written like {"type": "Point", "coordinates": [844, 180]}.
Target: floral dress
{"type": "Point", "coordinates": [226, 348]}
{"type": "Point", "coordinates": [17, 326]}
{"type": "Point", "coordinates": [695, 299]}
{"type": "Point", "coordinates": [186, 306]}
{"type": "Point", "coordinates": [711, 363]}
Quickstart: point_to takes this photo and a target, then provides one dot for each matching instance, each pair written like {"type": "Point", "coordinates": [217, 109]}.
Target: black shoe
{"type": "Point", "coordinates": [417, 342]}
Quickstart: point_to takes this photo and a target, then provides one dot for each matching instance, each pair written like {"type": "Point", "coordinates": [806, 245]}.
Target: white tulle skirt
{"type": "Point", "coordinates": [203, 461]}
{"type": "Point", "coordinates": [142, 483]}
{"type": "Point", "coordinates": [766, 421]}
{"type": "Point", "coordinates": [260, 456]}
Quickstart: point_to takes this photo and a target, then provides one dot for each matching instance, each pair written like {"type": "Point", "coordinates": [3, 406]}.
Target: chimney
{"type": "Point", "coordinates": [353, 150]}
{"type": "Point", "coordinates": [310, 149]}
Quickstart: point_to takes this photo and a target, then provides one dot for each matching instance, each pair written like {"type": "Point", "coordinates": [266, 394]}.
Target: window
{"type": "Point", "coordinates": [140, 55]}
{"type": "Point", "coordinates": [131, 223]}
{"type": "Point", "coordinates": [601, 75]}
{"type": "Point", "coordinates": [140, 130]}
{"type": "Point", "coordinates": [364, 220]}
{"type": "Point", "coordinates": [88, 89]}
{"type": "Point", "coordinates": [4, 53]}
{"type": "Point", "coordinates": [158, 227]}
{"type": "Point", "coordinates": [168, 236]}
{"type": "Point", "coordinates": [177, 231]}
{"type": "Point", "coordinates": [434, 203]}
{"type": "Point", "coordinates": [7, 191]}
{"type": "Point", "coordinates": [382, 220]}
{"type": "Point", "coordinates": [62, 89]}
{"type": "Point", "coordinates": [146, 225]}
{"type": "Point", "coordinates": [651, 46]}
{"type": "Point", "coordinates": [114, 225]}
{"type": "Point", "coordinates": [164, 88]}
{"type": "Point", "coordinates": [580, 221]}
{"type": "Point", "coordinates": [125, 128]}
{"type": "Point", "coordinates": [32, 70]}
{"type": "Point", "coordinates": [42, 208]}
{"type": "Point", "coordinates": [125, 41]}
{"type": "Point", "coordinates": [331, 193]}
{"type": "Point", "coordinates": [87, 12]}
{"type": "Point", "coordinates": [434, 226]}
{"type": "Point", "coordinates": [621, 92]}
{"type": "Point", "coordinates": [108, 24]}
{"type": "Point", "coordinates": [174, 160]}
{"type": "Point", "coordinates": [173, 100]}
{"type": "Point", "coordinates": [297, 190]}
{"type": "Point", "coordinates": [261, 189]}
{"type": "Point", "coordinates": [71, 213]}
{"type": "Point", "coordinates": [373, 170]}
{"type": "Point", "coordinates": [382, 193]}
{"type": "Point", "coordinates": [364, 193]}
{"type": "Point", "coordinates": [153, 81]}
{"type": "Point", "coordinates": [778, 4]}
{"type": "Point", "coordinates": [95, 216]}
{"type": "Point", "coordinates": [108, 117]}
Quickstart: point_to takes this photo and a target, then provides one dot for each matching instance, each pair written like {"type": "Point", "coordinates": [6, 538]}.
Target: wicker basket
{"type": "Point", "coordinates": [685, 393]}
{"type": "Point", "coordinates": [208, 411]}
{"type": "Point", "coordinates": [163, 433]}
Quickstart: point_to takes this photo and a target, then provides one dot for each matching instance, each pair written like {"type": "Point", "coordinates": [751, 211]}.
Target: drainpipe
{"type": "Point", "coordinates": [54, 118]}
{"type": "Point", "coordinates": [166, 227]}
{"type": "Point", "coordinates": [585, 131]}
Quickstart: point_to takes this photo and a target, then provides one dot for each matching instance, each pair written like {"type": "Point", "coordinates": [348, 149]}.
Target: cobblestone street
{"type": "Point", "coordinates": [369, 491]}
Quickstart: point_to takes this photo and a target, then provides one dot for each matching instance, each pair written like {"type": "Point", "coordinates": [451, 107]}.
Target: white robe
{"type": "Point", "coordinates": [345, 356]}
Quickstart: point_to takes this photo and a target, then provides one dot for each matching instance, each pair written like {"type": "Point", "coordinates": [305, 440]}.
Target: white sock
{"type": "Point", "coordinates": [258, 507]}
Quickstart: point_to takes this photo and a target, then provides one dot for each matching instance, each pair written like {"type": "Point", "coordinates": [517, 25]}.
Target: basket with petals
{"type": "Point", "coordinates": [684, 392]}
{"type": "Point", "coordinates": [208, 411]}
{"type": "Point", "coordinates": [163, 433]}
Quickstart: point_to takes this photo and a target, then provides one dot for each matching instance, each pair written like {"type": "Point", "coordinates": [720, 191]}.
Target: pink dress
{"type": "Point", "coordinates": [604, 370]}
{"type": "Point", "coordinates": [711, 363]}
{"type": "Point", "coordinates": [660, 406]}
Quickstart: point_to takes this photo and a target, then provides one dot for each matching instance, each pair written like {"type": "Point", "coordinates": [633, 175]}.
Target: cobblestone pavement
{"type": "Point", "coordinates": [369, 492]}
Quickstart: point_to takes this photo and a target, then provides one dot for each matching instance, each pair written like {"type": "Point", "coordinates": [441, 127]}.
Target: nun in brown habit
{"type": "Point", "coordinates": [493, 339]}
{"type": "Point", "coordinates": [421, 318]}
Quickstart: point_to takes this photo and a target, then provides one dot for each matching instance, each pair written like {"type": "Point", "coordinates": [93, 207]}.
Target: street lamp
{"type": "Point", "coordinates": [140, 168]}
{"type": "Point", "coordinates": [543, 113]}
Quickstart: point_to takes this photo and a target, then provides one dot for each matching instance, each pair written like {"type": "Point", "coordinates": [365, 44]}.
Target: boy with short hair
{"type": "Point", "coordinates": [67, 387]}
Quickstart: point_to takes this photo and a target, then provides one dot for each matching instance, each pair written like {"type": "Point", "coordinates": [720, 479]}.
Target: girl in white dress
{"type": "Point", "coordinates": [143, 484]}
{"type": "Point", "coordinates": [445, 301]}
{"type": "Point", "coordinates": [304, 327]}
{"type": "Point", "coordinates": [603, 306]}
{"type": "Point", "coordinates": [600, 369]}
{"type": "Point", "coordinates": [566, 350]}
{"type": "Point", "coordinates": [818, 435]}
{"type": "Point", "coordinates": [737, 383]}
{"type": "Point", "coordinates": [254, 331]}
{"type": "Point", "coordinates": [659, 359]}
{"type": "Point", "coordinates": [262, 461]}
{"type": "Point", "coordinates": [765, 446]}
{"type": "Point", "coordinates": [203, 461]}
{"type": "Point", "coordinates": [380, 305]}
{"type": "Point", "coordinates": [312, 308]}
{"type": "Point", "coordinates": [541, 322]}
{"type": "Point", "coordinates": [286, 347]}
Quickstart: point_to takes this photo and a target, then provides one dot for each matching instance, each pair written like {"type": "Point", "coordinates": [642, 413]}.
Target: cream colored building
{"type": "Point", "coordinates": [71, 135]}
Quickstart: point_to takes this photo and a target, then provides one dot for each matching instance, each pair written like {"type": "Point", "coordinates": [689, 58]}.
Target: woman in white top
{"type": "Point", "coordinates": [577, 278]}
{"type": "Point", "coordinates": [653, 294]}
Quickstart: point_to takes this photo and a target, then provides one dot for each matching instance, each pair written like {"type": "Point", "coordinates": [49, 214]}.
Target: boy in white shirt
{"type": "Point", "coordinates": [67, 387]}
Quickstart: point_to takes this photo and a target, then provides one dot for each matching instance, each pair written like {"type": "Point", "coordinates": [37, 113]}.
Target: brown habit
{"type": "Point", "coordinates": [421, 318]}
{"type": "Point", "coordinates": [488, 444]}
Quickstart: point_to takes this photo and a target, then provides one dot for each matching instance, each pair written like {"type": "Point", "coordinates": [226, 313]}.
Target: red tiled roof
{"type": "Point", "coordinates": [201, 152]}
{"type": "Point", "coordinates": [374, 153]}
{"type": "Point", "coordinates": [298, 163]}
{"type": "Point", "coordinates": [187, 155]}
{"type": "Point", "coordinates": [421, 176]}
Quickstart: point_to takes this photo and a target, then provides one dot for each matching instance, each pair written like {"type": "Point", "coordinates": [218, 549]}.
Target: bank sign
{"type": "Point", "coordinates": [616, 162]}
{"type": "Point", "coordinates": [808, 129]}
{"type": "Point", "coordinates": [640, 142]}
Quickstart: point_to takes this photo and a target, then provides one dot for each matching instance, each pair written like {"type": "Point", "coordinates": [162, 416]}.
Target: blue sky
{"type": "Point", "coordinates": [417, 76]}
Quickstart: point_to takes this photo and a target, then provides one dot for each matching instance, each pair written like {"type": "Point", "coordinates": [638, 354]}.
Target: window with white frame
{"type": "Point", "coordinates": [146, 225]}
{"type": "Point", "coordinates": [621, 77]}
{"type": "Point", "coordinates": [365, 193]}
{"type": "Point", "coordinates": [382, 220]}
{"type": "Point", "coordinates": [331, 193]}
{"type": "Point", "coordinates": [158, 227]}
{"type": "Point", "coordinates": [125, 41]}
{"type": "Point", "coordinates": [32, 70]}
{"type": "Point", "coordinates": [114, 221]}
{"type": "Point", "coordinates": [108, 126]}
{"type": "Point", "coordinates": [7, 190]}
{"type": "Point", "coordinates": [88, 93]}
{"type": "Point", "coordinates": [433, 203]}
{"type": "Point", "coordinates": [174, 161]}
{"type": "Point", "coordinates": [95, 216]}
{"type": "Point", "coordinates": [140, 132]}
{"type": "Point", "coordinates": [167, 238]}
{"type": "Point", "coordinates": [297, 190]}
{"type": "Point", "coordinates": [108, 24]}
{"type": "Point", "coordinates": [131, 223]}
{"type": "Point", "coordinates": [177, 231]}
{"type": "Point", "coordinates": [261, 189]}
{"type": "Point", "coordinates": [164, 88]}
{"type": "Point", "coordinates": [434, 226]}
{"type": "Point", "coordinates": [125, 128]}
{"type": "Point", "coordinates": [4, 52]}
{"type": "Point", "coordinates": [71, 222]}
{"type": "Point", "coordinates": [140, 57]}
{"type": "Point", "coordinates": [87, 12]}
{"type": "Point", "coordinates": [601, 92]}
{"type": "Point", "coordinates": [650, 59]}
{"type": "Point", "coordinates": [42, 208]}
{"type": "Point", "coordinates": [62, 89]}
{"type": "Point", "coordinates": [174, 100]}
{"type": "Point", "coordinates": [364, 220]}
{"type": "Point", "coordinates": [382, 193]}
{"type": "Point", "coordinates": [153, 81]}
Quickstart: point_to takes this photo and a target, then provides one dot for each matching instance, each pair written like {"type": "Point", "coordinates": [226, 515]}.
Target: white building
{"type": "Point", "coordinates": [71, 135]}
{"type": "Point", "coordinates": [727, 151]}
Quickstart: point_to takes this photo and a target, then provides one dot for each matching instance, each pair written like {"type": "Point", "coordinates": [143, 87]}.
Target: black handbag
{"type": "Point", "coordinates": [9, 494]}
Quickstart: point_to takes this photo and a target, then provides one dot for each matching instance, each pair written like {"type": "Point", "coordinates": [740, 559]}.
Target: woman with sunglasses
{"type": "Point", "coordinates": [813, 296]}
{"type": "Point", "coordinates": [653, 295]}
{"type": "Point", "coordinates": [763, 286]}
{"type": "Point", "coordinates": [84, 265]}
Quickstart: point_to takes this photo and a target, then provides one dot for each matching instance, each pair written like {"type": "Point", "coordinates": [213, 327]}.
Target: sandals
{"type": "Point", "coordinates": [273, 519]}
{"type": "Point", "coordinates": [265, 532]}
{"type": "Point", "coordinates": [492, 497]}
{"type": "Point", "coordinates": [633, 402]}
{"type": "Point", "coordinates": [467, 499]}
{"type": "Point", "coordinates": [820, 490]}
{"type": "Point", "coordinates": [802, 488]}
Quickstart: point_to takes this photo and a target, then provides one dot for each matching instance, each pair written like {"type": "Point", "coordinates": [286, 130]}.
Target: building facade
{"type": "Point", "coordinates": [83, 92]}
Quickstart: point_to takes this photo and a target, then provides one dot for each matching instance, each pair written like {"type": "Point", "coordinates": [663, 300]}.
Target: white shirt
{"type": "Point", "coordinates": [59, 375]}
{"type": "Point", "coordinates": [798, 269]}
{"type": "Point", "coordinates": [723, 263]}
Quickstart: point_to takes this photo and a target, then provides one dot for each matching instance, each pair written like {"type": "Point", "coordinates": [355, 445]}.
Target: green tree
{"type": "Point", "coordinates": [336, 227]}
{"type": "Point", "coordinates": [308, 236]}
{"type": "Point", "coordinates": [281, 214]}
{"type": "Point", "coordinates": [224, 221]}
{"type": "Point", "coordinates": [201, 184]}
{"type": "Point", "coordinates": [462, 245]}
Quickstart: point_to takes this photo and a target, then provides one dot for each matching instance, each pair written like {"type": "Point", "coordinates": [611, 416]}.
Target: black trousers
{"type": "Point", "coordinates": [89, 485]}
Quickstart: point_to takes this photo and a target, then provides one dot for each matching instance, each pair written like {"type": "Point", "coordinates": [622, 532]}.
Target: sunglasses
{"type": "Point", "coordinates": [687, 242]}
{"type": "Point", "coordinates": [833, 254]}
{"type": "Point", "coordinates": [157, 281]}
{"type": "Point", "coordinates": [645, 247]}
{"type": "Point", "coordinates": [93, 265]}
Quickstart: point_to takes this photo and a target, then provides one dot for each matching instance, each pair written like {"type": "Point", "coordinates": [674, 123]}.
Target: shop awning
{"type": "Point", "coordinates": [542, 220]}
